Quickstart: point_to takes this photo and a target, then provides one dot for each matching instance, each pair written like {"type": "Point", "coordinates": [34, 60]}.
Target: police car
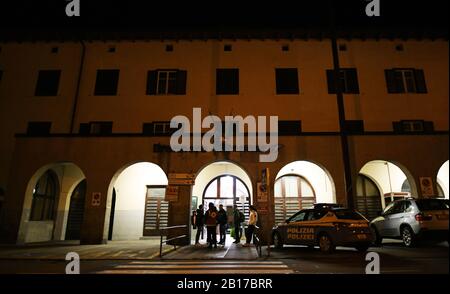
{"type": "Point", "coordinates": [325, 225]}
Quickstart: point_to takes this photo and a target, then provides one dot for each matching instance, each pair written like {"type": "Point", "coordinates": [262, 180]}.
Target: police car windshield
{"type": "Point", "coordinates": [347, 214]}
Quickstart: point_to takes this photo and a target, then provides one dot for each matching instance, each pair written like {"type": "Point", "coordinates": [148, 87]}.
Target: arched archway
{"type": "Point", "coordinates": [135, 204]}
{"type": "Point", "coordinates": [443, 180]}
{"type": "Point", "coordinates": [47, 202]}
{"type": "Point", "coordinates": [299, 185]}
{"type": "Point", "coordinates": [223, 182]}
{"type": "Point", "coordinates": [389, 180]}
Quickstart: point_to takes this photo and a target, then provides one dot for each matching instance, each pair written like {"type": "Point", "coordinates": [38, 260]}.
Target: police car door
{"type": "Point", "coordinates": [296, 231]}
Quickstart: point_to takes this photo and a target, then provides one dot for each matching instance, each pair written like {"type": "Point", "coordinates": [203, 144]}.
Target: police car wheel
{"type": "Point", "coordinates": [277, 242]}
{"type": "Point", "coordinates": [326, 244]}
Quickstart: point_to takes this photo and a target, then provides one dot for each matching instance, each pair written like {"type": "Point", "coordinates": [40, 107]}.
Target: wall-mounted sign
{"type": "Point", "coordinates": [262, 194]}
{"type": "Point", "coordinates": [96, 198]}
{"type": "Point", "coordinates": [426, 186]}
{"type": "Point", "coordinates": [181, 179]}
{"type": "Point", "coordinates": [171, 193]}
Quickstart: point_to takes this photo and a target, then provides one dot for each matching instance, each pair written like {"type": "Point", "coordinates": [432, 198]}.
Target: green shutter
{"type": "Point", "coordinates": [331, 81]}
{"type": "Point", "coordinates": [352, 81]}
{"type": "Point", "coordinates": [391, 81]}
{"type": "Point", "coordinates": [152, 78]}
{"type": "Point", "coordinates": [181, 82]}
{"type": "Point", "coordinates": [419, 76]}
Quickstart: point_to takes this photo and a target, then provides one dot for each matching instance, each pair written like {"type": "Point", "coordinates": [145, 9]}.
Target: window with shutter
{"type": "Point", "coordinates": [47, 83]}
{"type": "Point", "coordinates": [286, 81]}
{"type": "Point", "coordinates": [405, 81]}
{"type": "Point", "coordinates": [227, 81]}
{"type": "Point", "coordinates": [166, 82]}
{"type": "Point", "coordinates": [106, 82]}
{"type": "Point", "coordinates": [347, 81]}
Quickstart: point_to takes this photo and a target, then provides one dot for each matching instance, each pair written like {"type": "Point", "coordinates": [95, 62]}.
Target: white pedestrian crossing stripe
{"type": "Point", "coordinates": [200, 267]}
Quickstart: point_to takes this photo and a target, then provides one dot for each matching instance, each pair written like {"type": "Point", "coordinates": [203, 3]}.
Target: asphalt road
{"type": "Point", "coordinates": [394, 259]}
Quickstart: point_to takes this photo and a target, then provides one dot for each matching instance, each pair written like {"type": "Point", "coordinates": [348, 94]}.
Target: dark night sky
{"type": "Point", "coordinates": [165, 14]}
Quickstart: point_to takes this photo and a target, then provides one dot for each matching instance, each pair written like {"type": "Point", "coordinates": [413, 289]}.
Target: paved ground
{"type": "Point", "coordinates": [114, 250]}
{"type": "Point", "coordinates": [140, 257]}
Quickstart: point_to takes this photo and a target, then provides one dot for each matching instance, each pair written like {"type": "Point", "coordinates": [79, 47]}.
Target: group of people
{"type": "Point", "coordinates": [214, 217]}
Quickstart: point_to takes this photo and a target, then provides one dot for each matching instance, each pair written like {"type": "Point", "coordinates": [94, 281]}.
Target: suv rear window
{"type": "Point", "coordinates": [431, 204]}
{"type": "Point", "coordinates": [347, 214]}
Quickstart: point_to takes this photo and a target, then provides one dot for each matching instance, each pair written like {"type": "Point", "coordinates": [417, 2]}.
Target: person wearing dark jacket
{"type": "Point", "coordinates": [237, 220]}
{"type": "Point", "coordinates": [222, 220]}
{"type": "Point", "coordinates": [199, 223]}
{"type": "Point", "coordinates": [211, 225]}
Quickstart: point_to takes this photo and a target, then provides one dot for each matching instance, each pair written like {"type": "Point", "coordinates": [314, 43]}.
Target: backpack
{"type": "Point", "coordinates": [241, 217]}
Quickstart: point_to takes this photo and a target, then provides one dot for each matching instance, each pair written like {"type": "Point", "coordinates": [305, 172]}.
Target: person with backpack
{"type": "Point", "coordinates": [238, 218]}
{"type": "Point", "coordinates": [211, 225]}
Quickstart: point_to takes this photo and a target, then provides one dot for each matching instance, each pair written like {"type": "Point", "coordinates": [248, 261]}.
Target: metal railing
{"type": "Point", "coordinates": [171, 239]}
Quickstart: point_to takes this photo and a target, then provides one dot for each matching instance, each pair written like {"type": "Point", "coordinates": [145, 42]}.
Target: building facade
{"type": "Point", "coordinates": [85, 132]}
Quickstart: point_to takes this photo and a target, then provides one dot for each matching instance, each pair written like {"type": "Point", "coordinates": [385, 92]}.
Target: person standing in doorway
{"type": "Point", "coordinates": [222, 220]}
{"type": "Point", "coordinates": [211, 225]}
{"type": "Point", "coordinates": [253, 219]}
{"type": "Point", "coordinates": [238, 218]}
{"type": "Point", "coordinates": [200, 218]}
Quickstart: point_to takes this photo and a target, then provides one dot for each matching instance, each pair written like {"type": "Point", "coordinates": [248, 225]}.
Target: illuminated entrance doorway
{"type": "Point", "coordinates": [229, 191]}
{"type": "Point", "coordinates": [222, 182]}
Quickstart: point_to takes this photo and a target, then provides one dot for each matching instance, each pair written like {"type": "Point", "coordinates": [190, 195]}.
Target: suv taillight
{"type": "Point", "coordinates": [421, 217]}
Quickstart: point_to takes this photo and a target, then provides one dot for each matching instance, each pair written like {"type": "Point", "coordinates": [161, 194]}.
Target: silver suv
{"type": "Point", "coordinates": [411, 220]}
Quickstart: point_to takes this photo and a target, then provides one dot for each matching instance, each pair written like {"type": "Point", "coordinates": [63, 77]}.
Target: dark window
{"type": "Point", "coordinates": [431, 204]}
{"type": "Point", "coordinates": [112, 49]}
{"type": "Point", "coordinates": [161, 128]}
{"type": "Point", "coordinates": [347, 81]}
{"type": "Point", "coordinates": [169, 48]}
{"type": "Point", "coordinates": [405, 81]}
{"type": "Point", "coordinates": [106, 82]}
{"type": "Point", "coordinates": [354, 126]}
{"type": "Point", "coordinates": [47, 83]}
{"type": "Point", "coordinates": [227, 81]}
{"type": "Point", "coordinates": [166, 82]}
{"type": "Point", "coordinates": [287, 80]}
{"type": "Point", "coordinates": [399, 47]}
{"type": "Point", "coordinates": [413, 126]}
{"type": "Point", "coordinates": [285, 48]}
{"type": "Point", "coordinates": [289, 127]}
{"type": "Point", "coordinates": [96, 128]}
{"type": "Point", "coordinates": [347, 214]}
{"type": "Point", "coordinates": [54, 49]}
{"type": "Point", "coordinates": [39, 128]}
{"type": "Point", "coordinates": [101, 128]}
{"type": "Point", "coordinates": [227, 48]}
{"type": "Point", "coordinates": [84, 129]}
{"type": "Point", "coordinates": [44, 202]}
